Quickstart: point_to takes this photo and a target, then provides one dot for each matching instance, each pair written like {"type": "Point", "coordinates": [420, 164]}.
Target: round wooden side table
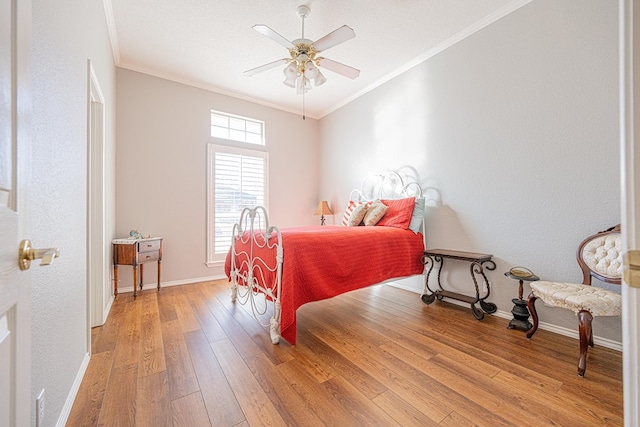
{"type": "Point", "coordinates": [520, 312]}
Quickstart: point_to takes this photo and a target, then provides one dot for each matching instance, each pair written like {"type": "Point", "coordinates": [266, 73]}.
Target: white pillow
{"type": "Point", "coordinates": [417, 216]}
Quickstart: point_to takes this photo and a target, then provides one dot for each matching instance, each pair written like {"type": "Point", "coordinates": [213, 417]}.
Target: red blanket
{"type": "Point", "coordinates": [324, 261]}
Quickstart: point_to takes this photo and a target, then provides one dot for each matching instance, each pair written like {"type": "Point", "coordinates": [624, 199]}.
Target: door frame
{"type": "Point", "coordinates": [98, 282]}
{"type": "Point", "coordinates": [629, 40]}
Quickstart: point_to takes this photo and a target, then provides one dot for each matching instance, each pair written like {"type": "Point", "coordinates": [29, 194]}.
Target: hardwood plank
{"type": "Point", "coordinates": [502, 400]}
{"type": "Point", "coordinates": [348, 324]}
{"type": "Point", "coordinates": [320, 354]}
{"type": "Point", "coordinates": [189, 411]}
{"type": "Point", "coordinates": [442, 397]}
{"type": "Point", "coordinates": [361, 408]}
{"type": "Point", "coordinates": [403, 413]}
{"type": "Point", "coordinates": [88, 403]}
{"type": "Point", "coordinates": [119, 406]}
{"type": "Point", "coordinates": [127, 348]}
{"type": "Point", "coordinates": [222, 406]}
{"type": "Point", "coordinates": [592, 393]}
{"type": "Point", "coordinates": [257, 408]}
{"type": "Point", "coordinates": [456, 420]}
{"type": "Point", "coordinates": [151, 347]}
{"type": "Point", "coordinates": [180, 374]}
{"type": "Point", "coordinates": [324, 406]}
{"type": "Point", "coordinates": [241, 340]}
{"type": "Point", "coordinates": [293, 409]}
{"type": "Point", "coordinates": [570, 408]}
{"type": "Point", "coordinates": [431, 397]}
{"type": "Point", "coordinates": [166, 307]}
{"type": "Point", "coordinates": [187, 318]}
{"type": "Point", "coordinates": [153, 407]}
{"type": "Point", "coordinates": [258, 333]}
{"type": "Point", "coordinates": [408, 334]}
{"type": "Point", "coordinates": [104, 338]}
{"type": "Point", "coordinates": [208, 322]}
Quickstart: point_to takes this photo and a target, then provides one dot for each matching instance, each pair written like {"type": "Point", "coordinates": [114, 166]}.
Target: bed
{"type": "Point", "coordinates": [289, 267]}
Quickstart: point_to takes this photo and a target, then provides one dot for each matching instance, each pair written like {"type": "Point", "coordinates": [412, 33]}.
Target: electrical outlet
{"type": "Point", "coordinates": [40, 409]}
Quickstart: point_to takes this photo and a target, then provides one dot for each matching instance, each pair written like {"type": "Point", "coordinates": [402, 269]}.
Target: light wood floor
{"type": "Point", "coordinates": [378, 356]}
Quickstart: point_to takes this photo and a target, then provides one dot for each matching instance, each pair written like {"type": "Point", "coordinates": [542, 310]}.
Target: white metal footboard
{"type": "Point", "coordinates": [251, 235]}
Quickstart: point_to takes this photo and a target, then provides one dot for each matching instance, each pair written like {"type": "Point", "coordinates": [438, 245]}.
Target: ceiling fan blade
{"type": "Point", "coordinates": [338, 67]}
{"type": "Point", "coordinates": [264, 30]}
{"type": "Point", "coordinates": [265, 67]}
{"type": "Point", "coordinates": [334, 38]}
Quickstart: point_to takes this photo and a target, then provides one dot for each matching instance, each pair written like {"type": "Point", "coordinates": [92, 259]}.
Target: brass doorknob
{"type": "Point", "coordinates": [28, 254]}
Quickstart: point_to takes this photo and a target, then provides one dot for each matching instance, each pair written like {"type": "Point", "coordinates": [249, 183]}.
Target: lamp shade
{"type": "Point", "coordinates": [323, 208]}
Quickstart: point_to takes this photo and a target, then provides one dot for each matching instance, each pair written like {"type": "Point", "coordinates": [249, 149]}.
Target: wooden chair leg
{"type": "Point", "coordinates": [531, 305]}
{"type": "Point", "coordinates": [586, 338]}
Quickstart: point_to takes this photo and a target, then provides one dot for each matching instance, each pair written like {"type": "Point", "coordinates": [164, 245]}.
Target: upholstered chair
{"type": "Point", "coordinates": [599, 256]}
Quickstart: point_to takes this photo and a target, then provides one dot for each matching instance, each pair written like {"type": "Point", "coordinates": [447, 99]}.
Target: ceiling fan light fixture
{"type": "Point", "coordinates": [290, 74]}
{"type": "Point", "coordinates": [320, 79]}
{"type": "Point", "coordinates": [289, 82]}
{"type": "Point", "coordinates": [310, 70]}
{"type": "Point", "coordinates": [303, 85]}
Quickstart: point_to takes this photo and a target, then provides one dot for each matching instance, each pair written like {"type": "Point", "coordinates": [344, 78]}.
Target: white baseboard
{"type": "Point", "coordinates": [604, 342]}
{"type": "Point", "coordinates": [71, 397]}
{"type": "Point", "coordinates": [107, 309]}
{"type": "Point", "coordinates": [560, 330]}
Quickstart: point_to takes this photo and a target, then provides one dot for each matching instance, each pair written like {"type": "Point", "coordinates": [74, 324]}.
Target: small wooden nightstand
{"type": "Point", "coordinates": [136, 252]}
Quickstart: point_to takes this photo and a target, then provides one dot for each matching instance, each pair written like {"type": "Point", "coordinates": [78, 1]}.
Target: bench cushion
{"type": "Point", "coordinates": [576, 297]}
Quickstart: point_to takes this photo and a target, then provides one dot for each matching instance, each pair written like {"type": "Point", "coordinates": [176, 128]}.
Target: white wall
{"type": "Point", "coordinates": [65, 35]}
{"type": "Point", "coordinates": [163, 132]}
{"type": "Point", "coordinates": [516, 129]}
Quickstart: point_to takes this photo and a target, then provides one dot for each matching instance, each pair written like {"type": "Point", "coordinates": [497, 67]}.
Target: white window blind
{"type": "Point", "coordinates": [237, 179]}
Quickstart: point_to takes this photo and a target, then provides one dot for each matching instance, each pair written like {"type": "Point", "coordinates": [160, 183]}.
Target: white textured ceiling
{"type": "Point", "coordinates": [209, 43]}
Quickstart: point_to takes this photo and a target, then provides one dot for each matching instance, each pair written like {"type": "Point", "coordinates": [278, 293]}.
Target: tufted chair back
{"type": "Point", "coordinates": [600, 256]}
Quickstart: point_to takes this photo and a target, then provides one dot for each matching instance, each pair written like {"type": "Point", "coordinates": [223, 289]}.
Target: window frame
{"type": "Point", "coordinates": [236, 129]}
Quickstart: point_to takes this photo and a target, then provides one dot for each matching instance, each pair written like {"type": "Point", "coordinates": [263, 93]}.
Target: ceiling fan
{"type": "Point", "coordinates": [303, 62]}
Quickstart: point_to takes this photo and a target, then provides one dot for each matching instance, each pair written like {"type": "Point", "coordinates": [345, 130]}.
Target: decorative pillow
{"type": "Point", "coordinates": [399, 212]}
{"type": "Point", "coordinates": [417, 216]}
{"type": "Point", "coordinates": [358, 215]}
{"type": "Point", "coordinates": [348, 211]}
{"type": "Point", "coordinates": [375, 212]}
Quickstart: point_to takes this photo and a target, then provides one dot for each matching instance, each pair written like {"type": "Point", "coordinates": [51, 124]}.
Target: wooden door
{"type": "Point", "coordinates": [15, 314]}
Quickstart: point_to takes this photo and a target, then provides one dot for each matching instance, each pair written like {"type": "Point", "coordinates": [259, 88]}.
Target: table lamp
{"type": "Point", "coordinates": [323, 209]}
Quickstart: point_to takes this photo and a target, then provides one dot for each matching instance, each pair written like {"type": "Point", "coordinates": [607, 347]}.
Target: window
{"type": "Point", "coordinates": [236, 128]}
{"type": "Point", "coordinates": [237, 178]}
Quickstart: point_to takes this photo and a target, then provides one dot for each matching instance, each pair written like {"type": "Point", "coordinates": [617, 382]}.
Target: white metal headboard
{"type": "Point", "coordinates": [385, 185]}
